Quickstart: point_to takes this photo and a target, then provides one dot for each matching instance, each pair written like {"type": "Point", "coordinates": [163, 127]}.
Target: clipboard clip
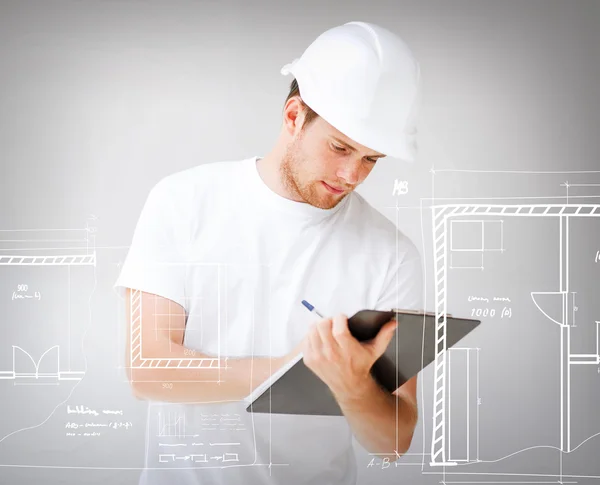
{"type": "Point", "coordinates": [418, 312]}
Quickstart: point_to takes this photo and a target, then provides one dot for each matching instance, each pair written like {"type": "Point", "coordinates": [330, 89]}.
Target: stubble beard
{"type": "Point", "coordinates": [290, 172]}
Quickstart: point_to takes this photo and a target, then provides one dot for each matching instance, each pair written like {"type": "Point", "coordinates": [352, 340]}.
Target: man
{"type": "Point", "coordinates": [223, 254]}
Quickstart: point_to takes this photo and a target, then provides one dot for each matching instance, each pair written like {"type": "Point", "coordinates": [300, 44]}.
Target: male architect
{"type": "Point", "coordinates": [224, 253]}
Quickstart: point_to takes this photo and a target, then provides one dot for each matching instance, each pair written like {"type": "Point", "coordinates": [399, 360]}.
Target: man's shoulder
{"type": "Point", "coordinates": [188, 184]}
{"type": "Point", "coordinates": [198, 175]}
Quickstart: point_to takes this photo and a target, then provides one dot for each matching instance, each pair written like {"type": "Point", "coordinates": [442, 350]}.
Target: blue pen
{"type": "Point", "coordinates": [311, 308]}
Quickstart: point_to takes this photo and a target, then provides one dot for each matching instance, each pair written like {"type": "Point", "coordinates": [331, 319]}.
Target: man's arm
{"type": "Point", "coordinates": [162, 332]}
{"type": "Point", "coordinates": [390, 418]}
{"type": "Point", "coordinates": [382, 422]}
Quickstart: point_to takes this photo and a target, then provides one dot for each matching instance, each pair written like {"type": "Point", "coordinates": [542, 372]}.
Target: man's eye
{"type": "Point", "coordinates": [342, 149]}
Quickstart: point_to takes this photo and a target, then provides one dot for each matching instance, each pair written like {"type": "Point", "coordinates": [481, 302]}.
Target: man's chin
{"type": "Point", "coordinates": [327, 202]}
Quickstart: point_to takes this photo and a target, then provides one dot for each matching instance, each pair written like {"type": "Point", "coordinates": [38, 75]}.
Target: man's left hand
{"type": "Point", "coordinates": [340, 360]}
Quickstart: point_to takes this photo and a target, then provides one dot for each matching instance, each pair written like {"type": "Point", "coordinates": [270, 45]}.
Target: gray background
{"type": "Point", "coordinates": [99, 100]}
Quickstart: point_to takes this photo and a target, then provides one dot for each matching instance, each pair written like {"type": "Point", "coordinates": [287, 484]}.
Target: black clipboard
{"type": "Point", "coordinates": [295, 389]}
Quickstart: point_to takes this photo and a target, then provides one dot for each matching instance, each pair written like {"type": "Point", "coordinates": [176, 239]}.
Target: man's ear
{"type": "Point", "coordinates": [293, 116]}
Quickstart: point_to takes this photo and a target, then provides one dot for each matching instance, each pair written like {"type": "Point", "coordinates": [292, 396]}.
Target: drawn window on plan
{"type": "Point", "coordinates": [471, 239]}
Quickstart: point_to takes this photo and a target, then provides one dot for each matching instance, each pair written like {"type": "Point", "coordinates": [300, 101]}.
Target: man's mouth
{"type": "Point", "coordinates": [333, 189]}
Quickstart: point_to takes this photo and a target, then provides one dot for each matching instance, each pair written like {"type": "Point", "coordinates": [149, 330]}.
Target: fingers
{"type": "Point", "coordinates": [340, 331]}
{"type": "Point", "coordinates": [329, 337]}
{"type": "Point", "coordinates": [320, 344]}
{"type": "Point", "coordinates": [307, 345]}
{"type": "Point", "coordinates": [327, 344]}
{"type": "Point", "coordinates": [315, 340]}
{"type": "Point", "coordinates": [383, 338]}
{"type": "Point", "coordinates": [312, 352]}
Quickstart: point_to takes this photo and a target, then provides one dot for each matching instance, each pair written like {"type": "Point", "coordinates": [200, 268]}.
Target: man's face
{"type": "Point", "coordinates": [318, 156]}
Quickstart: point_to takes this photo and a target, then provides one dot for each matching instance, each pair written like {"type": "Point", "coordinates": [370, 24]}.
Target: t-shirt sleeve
{"type": "Point", "coordinates": [403, 285]}
{"type": "Point", "coordinates": [156, 259]}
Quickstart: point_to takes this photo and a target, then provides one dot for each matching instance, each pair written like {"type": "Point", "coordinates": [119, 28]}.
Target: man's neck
{"type": "Point", "coordinates": [268, 169]}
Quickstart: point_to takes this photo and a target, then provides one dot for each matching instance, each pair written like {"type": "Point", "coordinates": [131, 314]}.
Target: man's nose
{"type": "Point", "coordinates": [349, 172]}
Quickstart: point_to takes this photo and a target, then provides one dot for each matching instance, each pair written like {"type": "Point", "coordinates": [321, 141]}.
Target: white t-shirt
{"type": "Point", "coordinates": [239, 259]}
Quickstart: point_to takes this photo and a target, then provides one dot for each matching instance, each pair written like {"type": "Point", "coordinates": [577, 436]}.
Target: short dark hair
{"type": "Point", "coordinates": [309, 115]}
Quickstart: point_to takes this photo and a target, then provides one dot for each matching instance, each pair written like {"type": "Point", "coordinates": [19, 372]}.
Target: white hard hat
{"type": "Point", "coordinates": [363, 80]}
